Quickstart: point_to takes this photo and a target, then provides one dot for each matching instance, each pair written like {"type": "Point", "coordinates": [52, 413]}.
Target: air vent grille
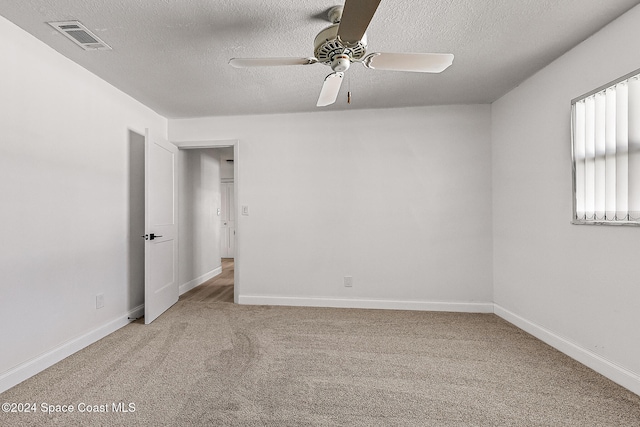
{"type": "Point", "coordinates": [80, 35]}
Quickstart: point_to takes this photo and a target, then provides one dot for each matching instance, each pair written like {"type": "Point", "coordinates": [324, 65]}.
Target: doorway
{"type": "Point", "coordinates": [228, 180]}
{"type": "Point", "coordinates": [136, 222]}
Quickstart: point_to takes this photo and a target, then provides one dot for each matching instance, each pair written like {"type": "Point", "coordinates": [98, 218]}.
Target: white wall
{"type": "Point", "coordinates": [578, 287]}
{"type": "Point", "coordinates": [64, 181]}
{"type": "Point", "coordinates": [199, 223]}
{"type": "Point", "coordinates": [398, 199]}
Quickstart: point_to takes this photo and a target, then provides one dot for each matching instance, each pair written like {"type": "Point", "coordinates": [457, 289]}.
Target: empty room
{"type": "Point", "coordinates": [331, 213]}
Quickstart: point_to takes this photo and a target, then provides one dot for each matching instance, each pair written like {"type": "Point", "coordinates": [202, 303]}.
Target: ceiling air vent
{"type": "Point", "coordinates": [80, 35]}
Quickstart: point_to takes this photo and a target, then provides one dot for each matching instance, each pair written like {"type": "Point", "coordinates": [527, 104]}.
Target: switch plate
{"type": "Point", "coordinates": [99, 301]}
{"type": "Point", "coordinates": [348, 281]}
{"type": "Point", "coordinates": [245, 210]}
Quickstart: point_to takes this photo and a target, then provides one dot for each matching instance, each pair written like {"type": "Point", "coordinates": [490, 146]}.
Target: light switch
{"type": "Point", "coordinates": [245, 210]}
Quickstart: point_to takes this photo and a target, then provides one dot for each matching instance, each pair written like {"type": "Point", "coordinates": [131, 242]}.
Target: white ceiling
{"type": "Point", "coordinates": [172, 55]}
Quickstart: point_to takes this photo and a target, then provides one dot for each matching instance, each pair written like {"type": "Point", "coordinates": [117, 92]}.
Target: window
{"type": "Point", "coordinates": [606, 153]}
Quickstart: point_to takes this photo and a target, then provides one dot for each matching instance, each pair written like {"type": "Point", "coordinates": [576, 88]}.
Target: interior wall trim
{"type": "Point", "coordinates": [194, 145]}
{"type": "Point", "coordinates": [616, 373]}
{"type": "Point", "coordinates": [38, 364]}
{"type": "Point", "coordinates": [186, 287]}
{"type": "Point", "coordinates": [452, 306]}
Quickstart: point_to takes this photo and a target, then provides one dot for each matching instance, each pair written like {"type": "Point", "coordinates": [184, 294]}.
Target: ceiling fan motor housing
{"type": "Point", "coordinates": [327, 46]}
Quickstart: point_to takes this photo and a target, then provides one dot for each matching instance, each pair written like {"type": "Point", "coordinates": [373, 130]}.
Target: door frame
{"type": "Point", "coordinates": [222, 143]}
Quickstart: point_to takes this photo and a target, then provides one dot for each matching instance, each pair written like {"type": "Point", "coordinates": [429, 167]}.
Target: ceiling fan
{"type": "Point", "coordinates": [345, 42]}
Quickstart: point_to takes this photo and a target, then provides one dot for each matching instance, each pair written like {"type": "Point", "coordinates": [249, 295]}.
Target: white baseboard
{"type": "Point", "coordinates": [186, 287]}
{"type": "Point", "coordinates": [40, 363]}
{"type": "Point", "coordinates": [462, 307]}
{"type": "Point", "coordinates": [627, 379]}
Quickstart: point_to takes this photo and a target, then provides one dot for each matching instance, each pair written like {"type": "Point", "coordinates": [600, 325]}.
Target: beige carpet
{"type": "Point", "coordinates": [220, 364]}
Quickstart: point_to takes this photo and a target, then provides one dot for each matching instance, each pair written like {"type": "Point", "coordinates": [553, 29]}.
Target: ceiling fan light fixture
{"type": "Point", "coordinates": [340, 63]}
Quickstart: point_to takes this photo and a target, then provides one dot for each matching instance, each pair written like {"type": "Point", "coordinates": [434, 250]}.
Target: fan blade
{"type": "Point", "coordinates": [330, 89]}
{"type": "Point", "coordinates": [269, 62]}
{"type": "Point", "coordinates": [418, 62]}
{"type": "Point", "coordinates": [356, 16]}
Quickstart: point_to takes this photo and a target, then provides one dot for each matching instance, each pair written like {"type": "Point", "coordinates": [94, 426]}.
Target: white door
{"type": "Point", "coordinates": [228, 231]}
{"type": "Point", "coordinates": [161, 243]}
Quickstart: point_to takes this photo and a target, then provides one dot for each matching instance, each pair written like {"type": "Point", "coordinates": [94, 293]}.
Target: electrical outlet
{"type": "Point", "coordinates": [348, 281]}
{"type": "Point", "coordinates": [99, 301]}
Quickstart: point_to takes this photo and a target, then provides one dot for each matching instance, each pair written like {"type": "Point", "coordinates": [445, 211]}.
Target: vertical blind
{"type": "Point", "coordinates": [606, 154]}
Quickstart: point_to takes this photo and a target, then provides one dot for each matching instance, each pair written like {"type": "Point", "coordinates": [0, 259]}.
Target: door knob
{"type": "Point", "coordinates": [150, 236]}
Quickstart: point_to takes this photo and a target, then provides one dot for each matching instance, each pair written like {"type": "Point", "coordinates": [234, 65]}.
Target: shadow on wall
{"type": "Point", "coordinates": [135, 268]}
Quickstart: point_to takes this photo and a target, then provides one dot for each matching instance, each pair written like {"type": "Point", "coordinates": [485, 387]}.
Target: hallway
{"type": "Point", "coordinates": [217, 289]}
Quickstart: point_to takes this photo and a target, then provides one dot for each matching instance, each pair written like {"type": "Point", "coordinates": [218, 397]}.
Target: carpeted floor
{"type": "Point", "coordinates": [220, 364]}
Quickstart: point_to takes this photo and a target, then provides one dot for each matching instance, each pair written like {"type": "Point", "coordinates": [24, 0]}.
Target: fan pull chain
{"type": "Point", "coordinates": [349, 91]}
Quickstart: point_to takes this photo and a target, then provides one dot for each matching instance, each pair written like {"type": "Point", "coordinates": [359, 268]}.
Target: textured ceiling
{"type": "Point", "coordinates": [172, 55]}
